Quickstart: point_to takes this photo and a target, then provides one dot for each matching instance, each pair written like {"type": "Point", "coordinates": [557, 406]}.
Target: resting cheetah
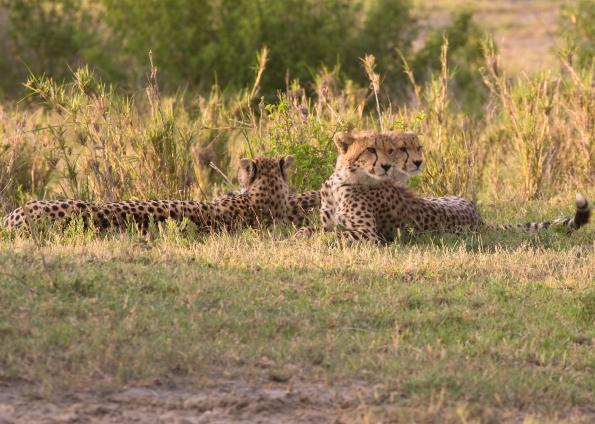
{"type": "Point", "coordinates": [263, 197]}
{"type": "Point", "coordinates": [362, 200]}
{"type": "Point", "coordinates": [303, 204]}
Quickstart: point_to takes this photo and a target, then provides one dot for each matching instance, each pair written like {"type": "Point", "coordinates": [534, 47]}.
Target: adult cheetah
{"type": "Point", "coordinates": [263, 197]}
{"type": "Point", "coordinates": [362, 200]}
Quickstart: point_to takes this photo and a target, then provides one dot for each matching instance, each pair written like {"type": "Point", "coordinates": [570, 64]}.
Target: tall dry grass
{"type": "Point", "coordinates": [549, 123]}
{"type": "Point", "coordinates": [86, 140]}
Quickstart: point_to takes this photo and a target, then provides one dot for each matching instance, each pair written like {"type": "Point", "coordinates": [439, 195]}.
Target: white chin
{"type": "Point", "coordinates": [367, 178]}
{"type": "Point", "coordinates": [402, 175]}
{"type": "Point", "coordinates": [382, 177]}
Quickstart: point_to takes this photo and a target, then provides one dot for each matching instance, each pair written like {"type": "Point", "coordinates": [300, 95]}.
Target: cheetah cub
{"type": "Point", "coordinates": [263, 198]}
{"type": "Point", "coordinates": [301, 205]}
{"type": "Point", "coordinates": [364, 198]}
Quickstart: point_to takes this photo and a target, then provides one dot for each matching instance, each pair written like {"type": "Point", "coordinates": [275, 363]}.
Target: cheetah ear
{"type": "Point", "coordinates": [343, 140]}
{"type": "Point", "coordinates": [246, 164]}
{"type": "Point", "coordinates": [247, 171]}
{"type": "Point", "coordinates": [285, 163]}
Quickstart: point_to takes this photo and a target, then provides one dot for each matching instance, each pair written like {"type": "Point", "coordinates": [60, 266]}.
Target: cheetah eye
{"type": "Point", "coordinates": [403, 149]}
{"type": "Point", "coordinates": [371, 150]}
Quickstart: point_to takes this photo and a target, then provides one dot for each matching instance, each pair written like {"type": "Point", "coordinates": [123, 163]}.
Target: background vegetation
{"type": "Point", "coordinates": [224, 79]}
{"type": "Point", "coordinates": [202, 42]}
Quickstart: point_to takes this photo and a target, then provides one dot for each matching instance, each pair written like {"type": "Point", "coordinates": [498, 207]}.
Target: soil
{"type": "Point", "coordinates": [232, 401]}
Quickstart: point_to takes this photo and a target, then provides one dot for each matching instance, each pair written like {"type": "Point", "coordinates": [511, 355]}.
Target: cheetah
{"type": "Point", "coordinates": [363, 201]}
{"type": "Point", "coordinates": [263, 197]}
{"type": "Point", "coordinates": [303, 204]}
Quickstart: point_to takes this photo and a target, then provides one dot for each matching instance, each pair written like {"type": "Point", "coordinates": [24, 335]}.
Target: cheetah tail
{"type": "Point", "coordinates": [581, 217]}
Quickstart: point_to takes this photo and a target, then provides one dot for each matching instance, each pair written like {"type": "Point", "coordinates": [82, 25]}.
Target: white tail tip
{"type": "Point", "coordinates": [581, 201]}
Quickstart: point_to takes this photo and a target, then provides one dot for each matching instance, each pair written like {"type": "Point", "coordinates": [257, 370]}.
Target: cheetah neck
{"type": "Point", "coordinates": [355, 176]}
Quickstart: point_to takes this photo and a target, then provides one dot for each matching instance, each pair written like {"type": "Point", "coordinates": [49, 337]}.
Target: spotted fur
{"type": "Point", "coordinates": [301, 206]}
{"type": "Point", "coordinates": [364, 204]}
{"type": "Point", "coordinates": [405, 152]}
{"type": "Point", "coordinates": [263, 197]}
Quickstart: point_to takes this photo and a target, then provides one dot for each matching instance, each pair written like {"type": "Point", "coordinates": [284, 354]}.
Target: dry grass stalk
{"type": "Point", "coordinates": [369, 64]}
{"type": "Point", "coordinates": [262, 59]}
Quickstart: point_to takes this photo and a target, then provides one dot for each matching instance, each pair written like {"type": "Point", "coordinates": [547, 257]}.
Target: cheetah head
{"type": "Point", "coordinates": [367, 157]}
{"type": "Point", "coordinates": [266, 181]}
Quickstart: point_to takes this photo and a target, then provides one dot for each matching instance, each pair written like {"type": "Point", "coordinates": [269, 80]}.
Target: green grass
{"type": "Point", "coordinates": [489, 327]}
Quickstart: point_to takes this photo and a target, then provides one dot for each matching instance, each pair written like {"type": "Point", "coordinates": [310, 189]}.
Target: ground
{"type": "Point", "coordinates": [253, 326]}
{"type": "Point", "coordinates": [220, 402]}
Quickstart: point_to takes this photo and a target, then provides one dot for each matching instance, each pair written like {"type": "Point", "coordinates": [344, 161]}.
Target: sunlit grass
{"type": "Point", "coordinates": [499, 321]}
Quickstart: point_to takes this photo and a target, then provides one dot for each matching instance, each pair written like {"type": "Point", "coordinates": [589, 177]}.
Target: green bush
{"type": "Point", "coordinates": [48, 37]}
{"type": "Point", "coordinates": [202, 41]}
{"type": "Point", "coordinates": [199, 43]}
{"type": "Point", "coordinates": [389, 27]}
{"type": "Point", "coordinates": [306, 137]}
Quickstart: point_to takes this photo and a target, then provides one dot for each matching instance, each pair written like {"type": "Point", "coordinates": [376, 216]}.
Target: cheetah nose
{"type": "Point", "coordinates": [386, 167]}
{"type": "Point", "coordinates": [417, 163]}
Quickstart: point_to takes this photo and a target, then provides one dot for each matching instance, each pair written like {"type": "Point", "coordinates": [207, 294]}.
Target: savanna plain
{"type": "Point", "coordinates": [258, 326]}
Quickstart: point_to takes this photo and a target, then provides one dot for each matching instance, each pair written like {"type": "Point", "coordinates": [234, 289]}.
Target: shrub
{"type": "Point", "coordinates": [48, 36]}
{"type": "Point", "coordinates": [203, 42]}
{"type": "Point", "coordinates": [216, 41]}
{"type": "Point", "coordinates": [294, 130]}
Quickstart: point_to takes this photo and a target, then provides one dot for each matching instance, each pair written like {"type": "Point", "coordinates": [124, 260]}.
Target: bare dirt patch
{"type": "Point", "coordinates": [231, 401]}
